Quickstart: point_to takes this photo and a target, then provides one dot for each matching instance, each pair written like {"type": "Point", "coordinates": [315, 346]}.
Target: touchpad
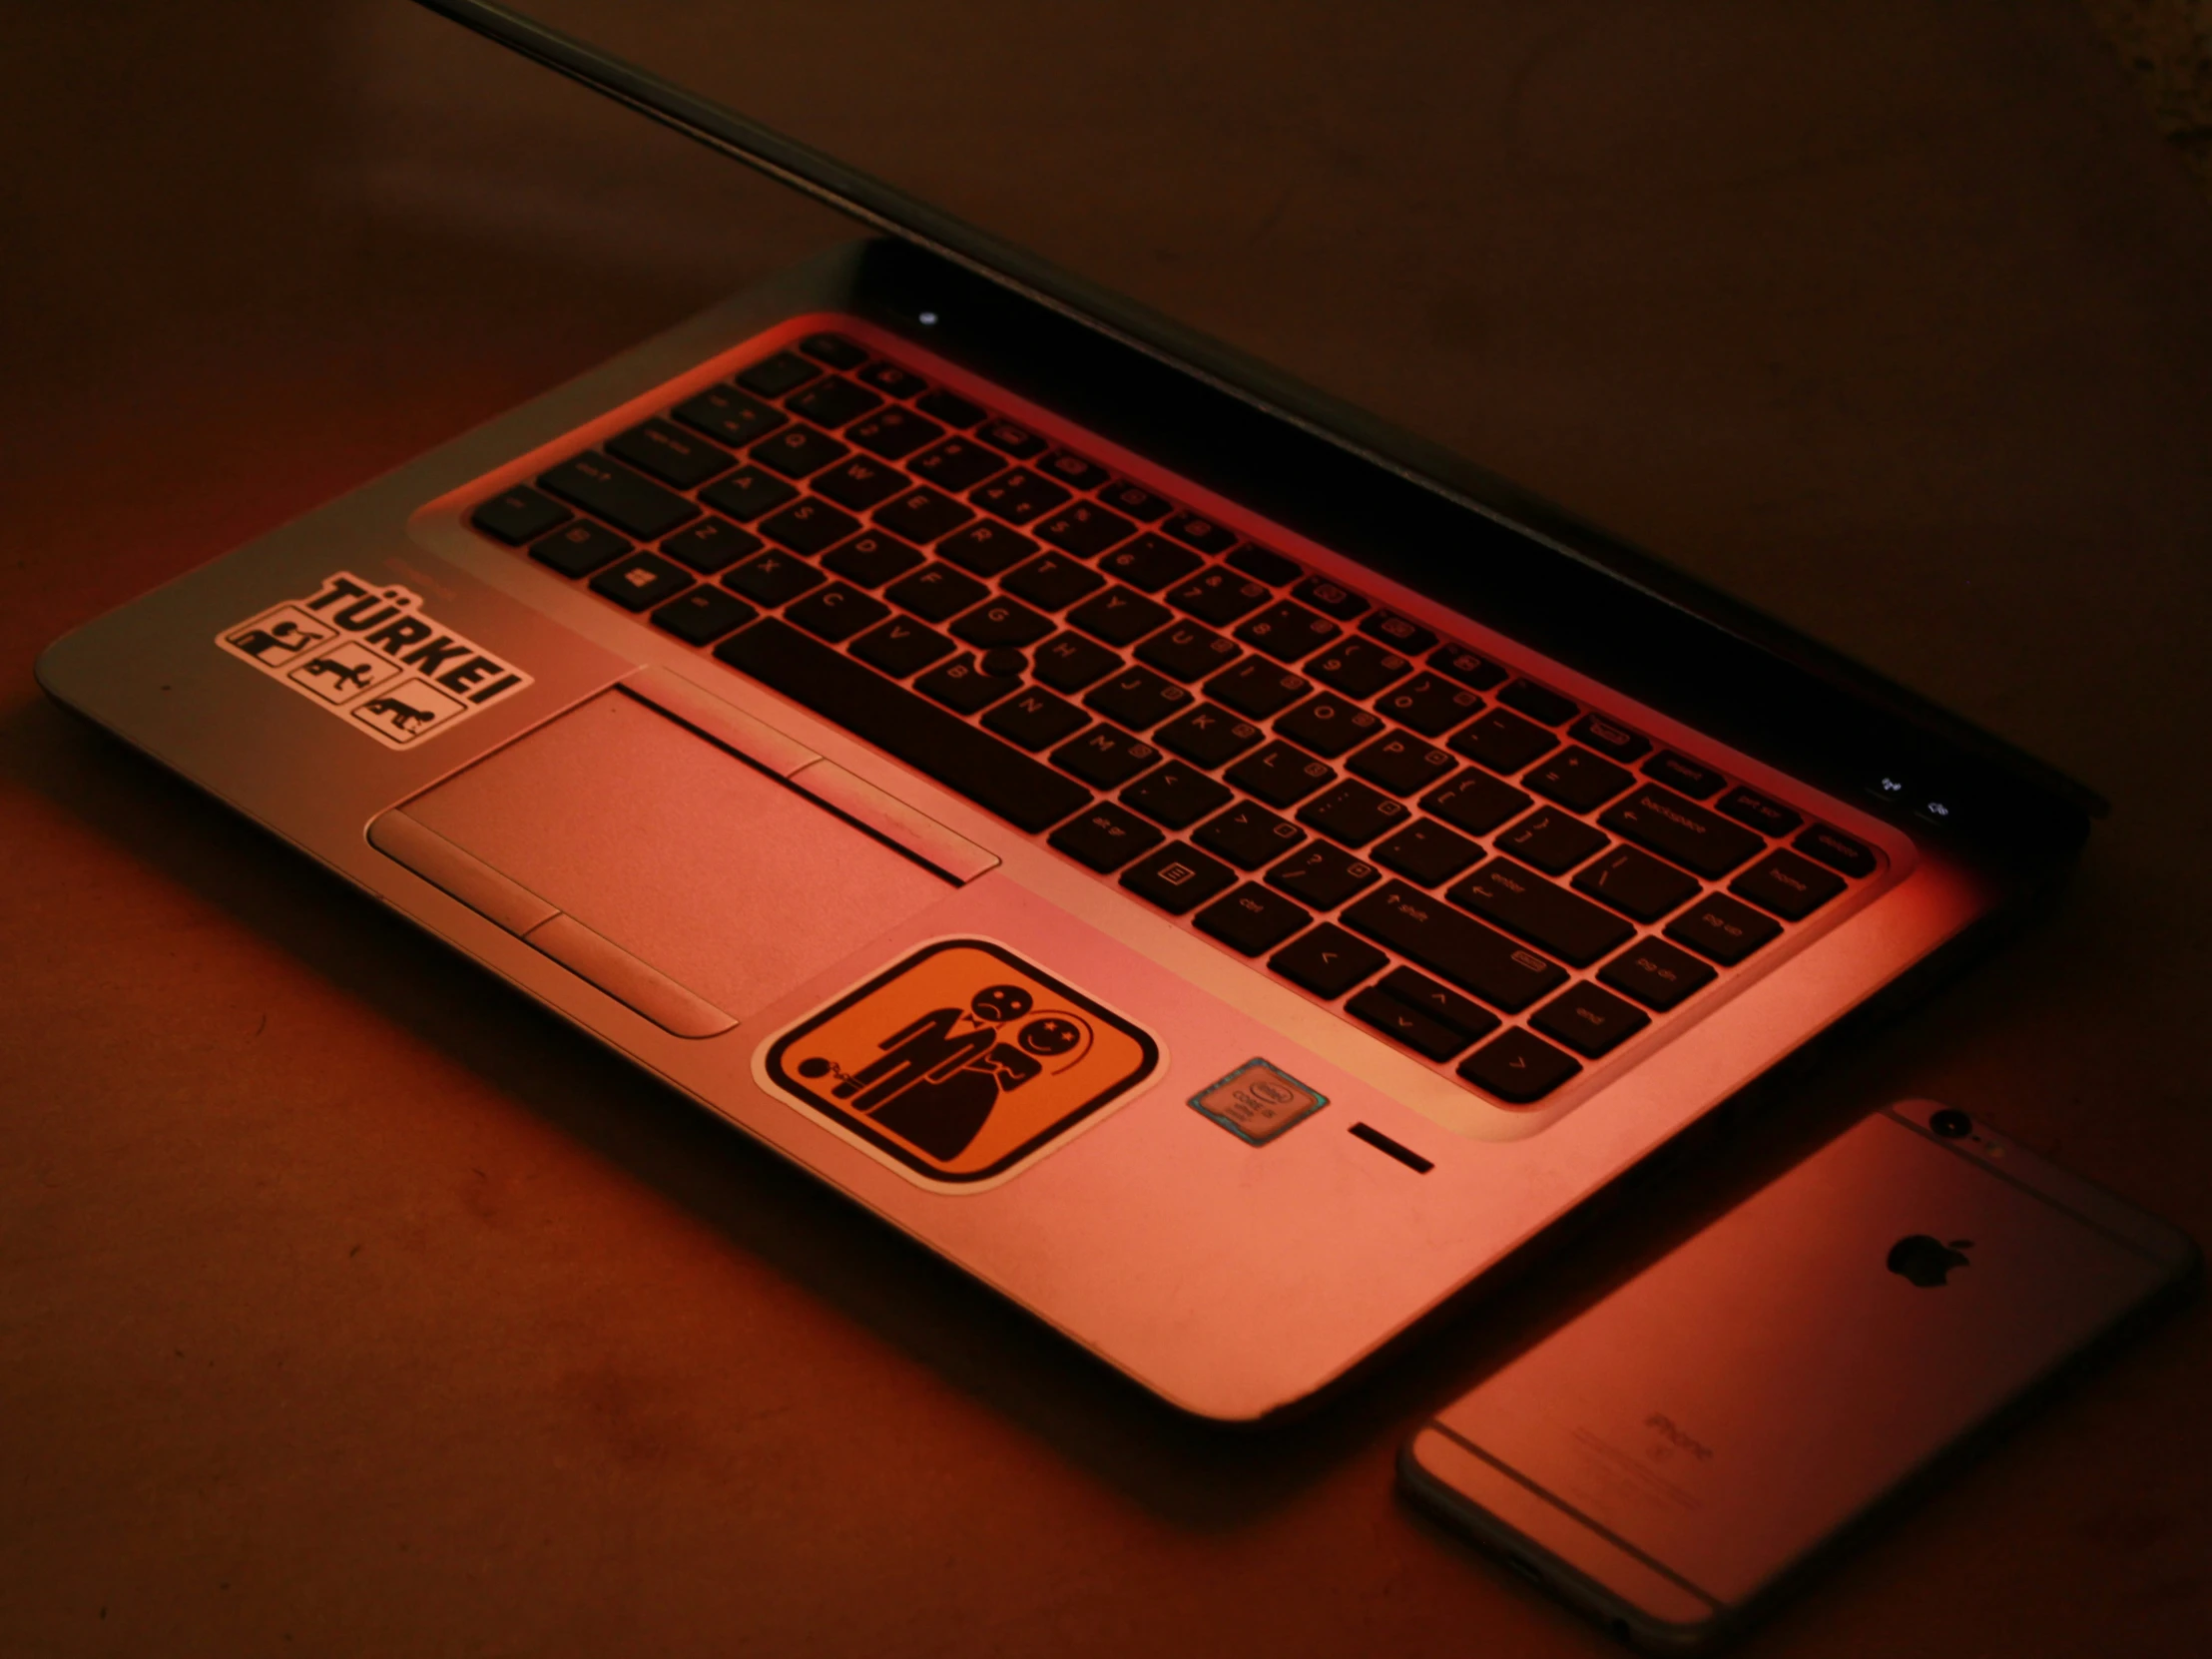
{"type": "Point", "coordinates": [707, 870]}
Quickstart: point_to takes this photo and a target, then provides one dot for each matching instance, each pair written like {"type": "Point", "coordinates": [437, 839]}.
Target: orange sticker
{"type": "Point", "coordinates": [962, 1060]}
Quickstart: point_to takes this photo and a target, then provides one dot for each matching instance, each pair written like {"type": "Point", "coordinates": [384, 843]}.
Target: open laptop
{"type": "Point", "coordinates": [1217, 873]}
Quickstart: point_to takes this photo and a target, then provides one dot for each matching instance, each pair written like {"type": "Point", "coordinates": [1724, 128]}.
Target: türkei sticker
{"type": "Point", "coordinates": [369, 654]}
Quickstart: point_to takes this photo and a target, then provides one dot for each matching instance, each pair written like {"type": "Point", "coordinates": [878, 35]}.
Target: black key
{"type": "Point", "coordinates": [641, 581]}
{"type": "Point", "coordinates": [949, 407]}
{"type": "Point", "coordinates": [1431, 1038]}
{"type": "Point", "coordinates": [519, 515]}
{"type": "Point", "coordinates": [1502, 740]}
{"type": "Point", "coordinates": [1212, 737]}
{"type": "Point", "coordinates": [1035, 718]}
{"type": "Point", "coordinates": [1256, 686]}
{"type": "Point", "coordinates": [1148, 564]}
{"type": "Point", "coordinates": [1281, 775]}
{"type": "Point", "coordinates": [956, 464]}
{"type": "Point", "coordinates": [1756, 811]}
{"type": "Point", "coordinates": [1538, 703]}
{"type": "Point", "coordinates": [1084, 529]}
{"type": "Point", "coordinates": [1176, 877]}
{"type": "Point", "coordinates": [1219, 595]}
{"type": "Point", "coordinates": [1053, 581]}
{"type": "Point", "coordinates": [1002, 622]}
{"type": "Point", "coordinates": [1137, 698]}
{"type": "Point", "coordinates": [1656, 974]}
{"type": "Point", "coordinates": [773, 377]}
{"type": "Point", "coordinates": [1327, 961]}
{"type": "Point", "coordinates": [1105, 756]}
{"type": "Point", "coordinates": [1615, 743]}
{"type": "Point", "coordinates": [1577, 778]}
{"type": "Point", "coordinates": [837, 612]}
{"type": "Point", "coordinates": [993, 773]}
{"type": "Point", "coordinates": [798, 450]}
{"type": "Point", "coordinates": [1255, 560]}
{"type": "Point", "coordinates": [1328, 598]}
{"type": "Point", "coordinates": [1475, 802]}
{"type": "Point", "coordinates": [923, 515]}
{"type": "Point", "coordinates": [986, 548]}
{"type": "Point", "coordinates": [1136, 501]}
{"type": "Point", "coordinates": [729, 416]}
{"type": "Point", "coordinates": [1636, 882]}
{"type": "Point", "coordinates": [899, 646]}
{"type": "Point", "coordinates": [672, 454]}
{"type": "Point", "coordinates": [859, 483]}
{"type": "Point", "coordinates": [1018, 495]}
{"type": "Point", "coordinates": [1439, 1002]}
{"type": "Point", "coordinates": [702, 615]}
{"type": "Point", "coordinates": [1105, 837]}
{"type": "Point", "coordinates": [1248, 836]}
{"type": "Point", "coordinates": [1251, 919]}
{"type": "Point", "coordinates": [1004, 660]}
{"type": "Point", "coordinates": [1119, 616]}
{"type": "Point", "coordinates": [1398, 633]}
{"type": "Point", "coordinates": [1589, 1021]}
{"type": "Point", "coordinates": [711, 545]}
{"type": "Point", "coordinates": [964, 684]}
{"type": "Point", "coordinates": [1722, 928]}
{"type": "Point", "coordinates": [808, 526]}
{"type": "Point", "coordinates": [1069, 662]}
{"type": "Point", "coordinates": [1349, 812]}
{"type": "Point", "coordinates": [1187, 650]}
{"type": "Point", "coordinates": [1445, 941]}
{"type": "Point", "coordinates": [1426, 851]}
{"type": "Point", "coordinates": [1550, 917]}
{"type": "Point", "coordinates": [1072, 469]}
{"type": "Point", "coordinates": [1683, 776]}
{"type": "Point", "coordinates": [1680, 830]}
{"type": "Point", "coordinates": [1327, 724]}
{"type": "Point", "coordinates": [1017, 441]}
{"type": "Point", "coordinates": [634, 505]}
{"type": "Point", "coordinates": [1176, 795]}
{"type": "Point", "coordinates": [1792, 888]}
{"type": "Point", "coordinates": [1288, 632]}
{"type": "Point", "coordinates": [870, 559]}
{"type": "Point", "coordinates": [1428, 705]}
{"type": "Point", "coordinates": [774, 578]}
{"type": "Point", "coordinates": [1401, 762]}
{"type": "Point", "coordinates": [937, 593]}
{"type": "Point", "coordinates": [896, 434]}
{"type": "Point", "coordinates": [1456, 662]}
{"type": "Point", "coordinates": [892, 380]}
{"type": "Point", "coordinates": [1323, 875]}
{"type": "Point", "coordinates": [1518, 1068]}
{"type": "Point", "coordinates": [1549, 840]}
{"type": "Point", "coordinates": [580, 549]}
{"type": "Point", "coordinates": [1203, 534]}
{"type": "Point", "coordinates": [1836, 849]}
{"type": "Point", "coordinates": [833, 350]}
{"type": "Point", "coordinates": [1360, 667]}
{"type": "Point", "coordinates": [747, 493]}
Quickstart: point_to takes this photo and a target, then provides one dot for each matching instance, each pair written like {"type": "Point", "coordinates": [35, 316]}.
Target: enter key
{"type": "Point", "coordinates": [1548, 917]}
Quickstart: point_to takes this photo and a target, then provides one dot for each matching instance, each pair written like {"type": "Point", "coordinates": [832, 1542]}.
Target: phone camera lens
{"type": "Point", "coordinates": [1951, 1124]}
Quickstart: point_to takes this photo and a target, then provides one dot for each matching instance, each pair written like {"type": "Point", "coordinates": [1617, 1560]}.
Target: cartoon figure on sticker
{"type": "Point", "coordinates": [962, 1060]}
{"type": "Point", "coordinates": [276, 638]}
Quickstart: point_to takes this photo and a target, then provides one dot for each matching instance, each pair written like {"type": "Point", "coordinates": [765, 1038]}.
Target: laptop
{"type": "Point", "coordinates": [1222, 873]}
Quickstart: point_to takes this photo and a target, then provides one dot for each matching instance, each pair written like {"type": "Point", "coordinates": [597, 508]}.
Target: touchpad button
{"type": "Point", "coordinates": [719, 875]}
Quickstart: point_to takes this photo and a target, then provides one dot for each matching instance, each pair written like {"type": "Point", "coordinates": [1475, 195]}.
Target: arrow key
{"type": "Point", "coordinates": [1517, 1068]}
{"type": "Point", "coordinates": [1326, 962]}
{"type": "Point", "coordinates": [1424, 1036]}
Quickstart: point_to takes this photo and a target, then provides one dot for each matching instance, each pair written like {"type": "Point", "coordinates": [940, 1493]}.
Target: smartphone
{"type": "Point", "coordinates": [1668, 1459]}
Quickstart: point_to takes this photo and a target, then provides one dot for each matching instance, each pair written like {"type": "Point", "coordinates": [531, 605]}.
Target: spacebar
{"type": "Point", "coordinates": [925, 736]}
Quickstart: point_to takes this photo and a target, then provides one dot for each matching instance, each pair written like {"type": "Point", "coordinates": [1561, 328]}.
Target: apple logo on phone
{"type": "Point", "coordinates": [1926, 1260]}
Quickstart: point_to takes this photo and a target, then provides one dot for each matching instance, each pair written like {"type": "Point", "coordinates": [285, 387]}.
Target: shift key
{"type": "Point", "coordinates": [1681, 829]}
{"type": "Point", "coordinates": [1454, 946]}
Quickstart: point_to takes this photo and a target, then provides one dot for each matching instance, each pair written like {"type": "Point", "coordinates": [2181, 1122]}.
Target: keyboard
{"type": "Point", "coordinates": [1505, 881]}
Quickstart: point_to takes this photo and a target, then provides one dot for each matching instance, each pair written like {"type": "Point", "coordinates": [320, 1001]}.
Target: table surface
{"type": "Point", "coordinates": [350, 1305]}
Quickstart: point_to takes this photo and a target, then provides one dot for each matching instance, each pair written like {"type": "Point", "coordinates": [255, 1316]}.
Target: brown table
{"type": "Point", "coordinates": [347, 1305]}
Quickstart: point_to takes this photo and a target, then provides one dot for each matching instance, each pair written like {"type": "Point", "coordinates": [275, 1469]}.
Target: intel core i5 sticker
{"type": "Point", "coordinates": [368, 655]}
{"type": "Point", "coordinates": [1258, 1101]}
{"type": "Point", "coordinates": [961, 1061]}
